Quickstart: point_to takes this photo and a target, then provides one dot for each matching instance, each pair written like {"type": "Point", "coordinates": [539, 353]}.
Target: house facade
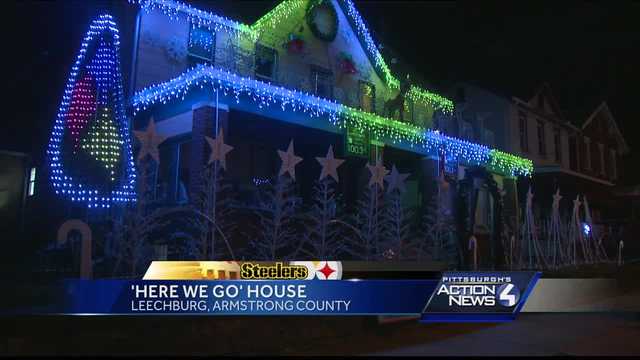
{"type": "Point", "coordinates": [577, 160]}
{"type": "Point", "coordinates": [309, 72]}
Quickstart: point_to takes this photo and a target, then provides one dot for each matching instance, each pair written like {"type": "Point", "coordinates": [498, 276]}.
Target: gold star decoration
{"type": "Point", "coordinates": [149, 142]}
{"type": "Point", "coordinates": [396, 180]}
{"type": "Point", "coordinates": [378, 172]}
{"type": "Point", "coordinates": [329, 165]}
{"type": "Point", "coordinates": [289, 161]}
{"type": "Point", "coordinates": [219, 149]}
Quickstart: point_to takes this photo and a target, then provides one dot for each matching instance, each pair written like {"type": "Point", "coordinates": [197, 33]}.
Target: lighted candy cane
{"type": "Point", "coordinates": [85, 253]}
{"type": "Point", "coordinates": [473, 245]}
{"type": "Point", "coordinates": [620, 247]}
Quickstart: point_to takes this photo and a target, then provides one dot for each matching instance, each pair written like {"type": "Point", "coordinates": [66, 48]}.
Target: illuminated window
{"type": "Point", "coordinates": [367, 97]}
{"type": "Point", "coordinates": [32, 182]}
{"type": "Point", "coordinates": [266, 62]}
{"type": "Point", "coordinates": [202, 43]}
{"type": "Point", "coordinates": [322, 82]}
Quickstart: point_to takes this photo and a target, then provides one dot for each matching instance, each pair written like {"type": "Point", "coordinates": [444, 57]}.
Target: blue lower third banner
{"type": "Point", "coordinates": [456, 297]}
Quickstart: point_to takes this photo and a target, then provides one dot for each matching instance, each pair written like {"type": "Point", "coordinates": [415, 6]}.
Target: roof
{"type": "Point", "coordinates": [604, 108]}
{"type": "Point", "coordinates": [273, 17]}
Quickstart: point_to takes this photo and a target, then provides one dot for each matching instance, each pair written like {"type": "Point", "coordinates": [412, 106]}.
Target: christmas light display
{"type": "Point", "coordinates": [81, 108]}
{"type": "Point", "coordinates": [104, 142]}
{"type": "Point", "coordinates": [273, 18]}
{"type": "Point", "coordinates": [94, 84]}
{"type": "Point", "coordinates": [270, 20]}
{"type": "Point", "coordinates": [265, 95]}
{"type": "Point", "coordinates": [510, 164]}
{"type": "Point", "coordinates": [197, 17]}
{"type": "Point", "coordinates": [436, 101]}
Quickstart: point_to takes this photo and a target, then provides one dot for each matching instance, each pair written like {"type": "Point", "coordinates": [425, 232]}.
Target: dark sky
{"type": "Point", "coordinates": [588, 52]}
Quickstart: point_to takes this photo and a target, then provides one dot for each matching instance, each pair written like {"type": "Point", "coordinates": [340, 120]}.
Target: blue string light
{"type": "Point", "coordinates": [103, 66]}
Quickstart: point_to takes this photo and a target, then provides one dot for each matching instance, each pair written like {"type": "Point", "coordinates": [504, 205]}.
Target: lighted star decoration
{"type": "Point", "coordinates": [289, 161]}
{"type": "Point", "coordinates": [556, 199]}
{"type": "Point", "coordinates": [329, 165]}
{"type": "Point", "coordinates": [219, 149]}
{"type": "Point", "coordinates": [378, 172]}
{"type": "Point", "coordinates": [396, 180]}
{"type": "Point", "coordinates": [149, 142]}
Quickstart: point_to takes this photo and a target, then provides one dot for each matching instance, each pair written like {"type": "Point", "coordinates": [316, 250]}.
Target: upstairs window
{"type": "Point", "coordinates": [557, 144]}
{"type": "Point", "coordinates": [322, 82]}
{"type": "Point", "coordinates": [541, 139]}
{"type": "Point", "coordinates": [587, 153]}
{"type": "Point", "coordinates": [266, 62]}
{"type": "Point", "coordinates": [367, 95]}
{"type": "Point", "coordinates": [524, 134]}
{"type": "Point", "coordinates": [612, 161]}
{"type": "Point", "coordinates": [202, 44]}
{"type": "Point", "coordinates": [601, 159]}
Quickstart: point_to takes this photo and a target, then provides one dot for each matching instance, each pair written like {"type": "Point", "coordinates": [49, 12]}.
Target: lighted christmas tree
{"type": "Point", "coordinates": [369, 218]}
{"type": "Point", "coordinates": [276, 212]}
{"type": "Point", "coordinates": [90, 153]}
{"type": "Point", "coordinates": [322, 240]}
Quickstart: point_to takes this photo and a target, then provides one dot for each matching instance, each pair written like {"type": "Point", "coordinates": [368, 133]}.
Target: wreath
{"type": "Point", "coordinates": [317, 7]}
{"type": "Point", "coordinates": [346, 64]}
{"type": "Point", "coordinates": [294, 44]}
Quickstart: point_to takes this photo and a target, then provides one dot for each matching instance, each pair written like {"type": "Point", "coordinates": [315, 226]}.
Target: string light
{"type": "Point", "coordinates": [341, 116]}
{"type": "Point", "coordinates": [97, 63]}
{"type": "Point", "coordinates": [104, 142]}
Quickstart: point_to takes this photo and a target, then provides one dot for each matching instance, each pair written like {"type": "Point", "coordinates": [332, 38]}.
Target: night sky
{"type": "Point", "coordinates": [587, 52]}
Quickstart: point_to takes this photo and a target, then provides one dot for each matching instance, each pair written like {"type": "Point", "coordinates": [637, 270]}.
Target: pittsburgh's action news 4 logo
{"type": "Point", "coordinates": [479, 296]}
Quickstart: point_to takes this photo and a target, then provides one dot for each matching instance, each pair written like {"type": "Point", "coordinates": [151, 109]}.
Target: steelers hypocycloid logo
{"type": "Point", "coordinates": [322, 270]}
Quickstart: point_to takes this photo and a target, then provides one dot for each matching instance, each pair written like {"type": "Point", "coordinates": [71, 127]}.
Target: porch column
{"type": "Point", "coordinates": [204, 122]}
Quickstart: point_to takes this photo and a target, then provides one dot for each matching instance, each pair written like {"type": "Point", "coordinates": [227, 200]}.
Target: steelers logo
{"type": "Point", "coordinates": [322, 270]}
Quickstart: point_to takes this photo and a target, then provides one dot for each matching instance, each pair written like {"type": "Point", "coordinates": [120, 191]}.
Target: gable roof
{"type": "Point", "coordinates": [603, 108]}
{"type": "Point", "coordinates": [545, 90]}
{"type": "Point", "coordinates": [273, 17]}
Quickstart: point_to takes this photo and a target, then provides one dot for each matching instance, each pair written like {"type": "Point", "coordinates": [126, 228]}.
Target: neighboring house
{"type": "Point", "coordinates": [17, 185]}
{"type": "Point", "coordinates": [578, 160]}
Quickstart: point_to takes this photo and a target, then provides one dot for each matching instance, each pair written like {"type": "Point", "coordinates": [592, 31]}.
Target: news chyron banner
{"type": "Point", "coordinates": [301, 288]}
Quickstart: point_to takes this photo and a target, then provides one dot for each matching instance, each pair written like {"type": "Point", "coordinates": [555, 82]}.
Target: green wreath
{"type": "Point", "coordinates": [316, 7]}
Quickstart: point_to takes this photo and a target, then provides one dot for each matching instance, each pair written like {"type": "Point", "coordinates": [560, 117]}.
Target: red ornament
{"type": "Point", "coordinates": [295, 46]}
{"type": "Point", "coordinates": [348, 67]}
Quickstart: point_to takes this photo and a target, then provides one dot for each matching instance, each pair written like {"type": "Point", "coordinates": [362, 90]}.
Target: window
{"type": "Point", "coordinates": [557, 144]}
{"type": "Point", "coordinates": [202, 44]}
{"type": "Point", "coordinates": [524, 136]}
{"type": "Point", "coordinates": [601, 159]}
{"type": "Point", "coordinates": [587, 153]}
{"type": "Point", "coordinates": [489, 138]}
{"type": "Point", "coordinates": [573, 153]}
{"type": "Point", "coordinates": [367, 95]}
{"type": "Point", "coordinates": [612, 162]}
{"type": "Point", "coordinates": [322, 82]}
{"type": "Point", "coordinates": [32, 182]}
{"type": "Point", "coordinates": [266, 62]}
{"type": "Point", "coordinates": [541, 139]}
{"type": "Point", "coordinates": [467, 130]}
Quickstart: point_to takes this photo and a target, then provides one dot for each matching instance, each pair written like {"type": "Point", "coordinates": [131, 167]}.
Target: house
{"type": "Point", "coordinates": [579, 160]}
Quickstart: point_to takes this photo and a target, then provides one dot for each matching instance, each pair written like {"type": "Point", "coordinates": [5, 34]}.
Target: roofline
{"type": "Point", "coordinates": [347, 6]}
{"type": "Point", "coordinates": [604, 106]}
